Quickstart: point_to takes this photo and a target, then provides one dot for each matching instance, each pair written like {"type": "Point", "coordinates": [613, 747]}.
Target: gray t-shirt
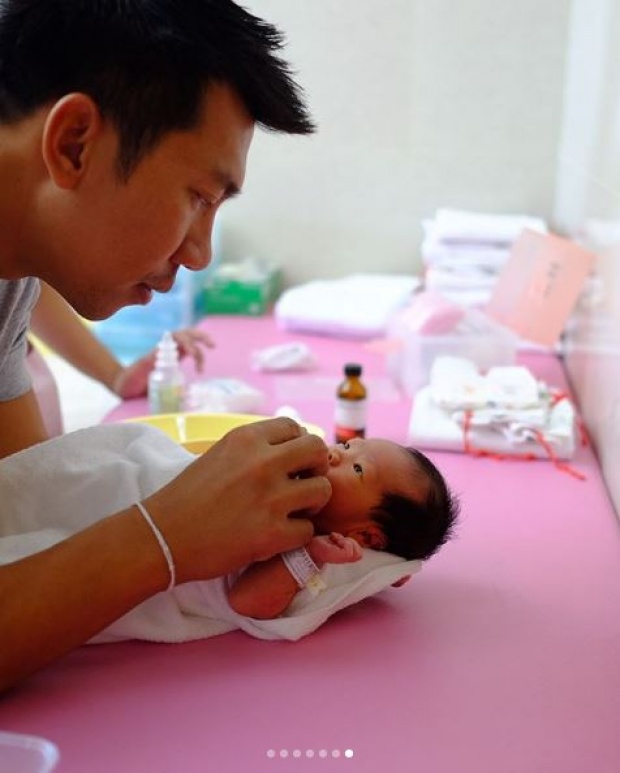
{"type": "Point", "coordinates": [17, 297]}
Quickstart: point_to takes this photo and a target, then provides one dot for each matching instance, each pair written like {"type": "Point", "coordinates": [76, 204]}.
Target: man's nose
{"type": "Point", "coordinates": [194, 256]}
{"type": "Point", "coordinates": [197, 246]}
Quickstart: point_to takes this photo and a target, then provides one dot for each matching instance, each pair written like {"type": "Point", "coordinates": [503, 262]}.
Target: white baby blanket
{"type": "Point", "coordinates": [52, 490]}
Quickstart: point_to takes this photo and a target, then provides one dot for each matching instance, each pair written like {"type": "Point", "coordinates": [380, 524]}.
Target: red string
{"type": "Point", "coordinates": [481, 452]}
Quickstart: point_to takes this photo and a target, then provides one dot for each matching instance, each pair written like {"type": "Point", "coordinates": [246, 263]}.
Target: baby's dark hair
{"type": "Point", "coordinates": [146, 63]}
{"type": "Point", "coordinates": [417, 529]}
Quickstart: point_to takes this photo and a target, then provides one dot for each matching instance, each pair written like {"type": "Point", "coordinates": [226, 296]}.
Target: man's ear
{"type": "Point", "coordinates": [71, 128]}
{"type": "Point", "coordinates": [369, 536]}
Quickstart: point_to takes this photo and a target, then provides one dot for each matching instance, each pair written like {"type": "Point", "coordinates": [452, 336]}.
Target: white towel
{"type": "Point", "coordinates": [54, 489]}
{"type": "Point", "coordinates": [357, 306]}
{"type": "Point", "coordinates": [454, 226]}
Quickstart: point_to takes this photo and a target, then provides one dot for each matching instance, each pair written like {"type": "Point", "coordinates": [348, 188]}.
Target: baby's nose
{"type": "Point", "coordinates": [333, 456]}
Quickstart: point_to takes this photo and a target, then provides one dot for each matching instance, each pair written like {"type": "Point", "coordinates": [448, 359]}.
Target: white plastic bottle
{"type": "Point", "coordinates": [166, 380]}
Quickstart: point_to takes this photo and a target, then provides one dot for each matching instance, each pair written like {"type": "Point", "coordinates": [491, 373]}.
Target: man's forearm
{"type": "Point", "coordinates": [58, 326]}
{"type": "Point", "coordinates": [53, 601]}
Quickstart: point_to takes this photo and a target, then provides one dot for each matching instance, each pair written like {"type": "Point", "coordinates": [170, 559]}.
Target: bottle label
{"type": "Point", "coordinates": [166, 398]}
{"type": "Point", "coordinates": [350, 416]}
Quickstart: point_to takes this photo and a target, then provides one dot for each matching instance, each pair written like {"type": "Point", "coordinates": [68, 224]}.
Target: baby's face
{"type": "Point", "coordinates": [360, 472]}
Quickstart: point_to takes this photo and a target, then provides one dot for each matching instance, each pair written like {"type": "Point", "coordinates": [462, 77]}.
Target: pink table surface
{"type": "Point", "coordinates": [502, 656]}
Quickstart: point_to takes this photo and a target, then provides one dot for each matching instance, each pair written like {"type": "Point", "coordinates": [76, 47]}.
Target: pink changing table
{"type": "Point", "coordinates": [501, 656]}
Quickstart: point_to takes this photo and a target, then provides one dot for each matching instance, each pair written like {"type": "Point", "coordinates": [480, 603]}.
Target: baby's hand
{"type": "Point", "coordinates": [334, 549]}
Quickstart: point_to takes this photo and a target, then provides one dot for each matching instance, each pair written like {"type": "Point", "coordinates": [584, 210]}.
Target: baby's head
{"type": "Point", "coordinates": [388, 497]}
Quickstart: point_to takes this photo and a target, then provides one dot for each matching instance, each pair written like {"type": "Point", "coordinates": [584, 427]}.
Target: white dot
{"type": "Point", "coordinates": [271, 753]}
{"type": "Point", "coordinates": [348, 753]}
{"type": "Point", "coordinates": [309, 753]}
{"type": "Point", "coordinates": [296, 753]}
{"type": "Point", "coordinates": [323, 753]}
{"type": "Point", "coordinates": [283, 753]}
{"type": "Point", "coordinates": [336, 753]}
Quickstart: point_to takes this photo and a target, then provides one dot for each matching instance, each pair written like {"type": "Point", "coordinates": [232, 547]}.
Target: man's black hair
{"type": "Point", "coordinates": [146, 63]}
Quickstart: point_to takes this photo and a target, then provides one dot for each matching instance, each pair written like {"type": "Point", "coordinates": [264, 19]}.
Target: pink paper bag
{"type": "Point", "coordinates": [539, 285]}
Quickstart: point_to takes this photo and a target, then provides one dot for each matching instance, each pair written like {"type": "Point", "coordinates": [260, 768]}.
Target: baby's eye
{"type": "Point", "coordinates": [357, 469]}
{"type": "Point", "coordinates": [345, 446]}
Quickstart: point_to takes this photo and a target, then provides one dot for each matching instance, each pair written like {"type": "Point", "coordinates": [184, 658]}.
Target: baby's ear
{"type": "Point", "coordinates": [369, 536]}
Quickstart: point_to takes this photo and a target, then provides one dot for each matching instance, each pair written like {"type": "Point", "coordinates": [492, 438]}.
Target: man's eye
{"type": "Point", "coordinates": [357, 469]}
{"type": "Point", "coordinates": [202, 201]}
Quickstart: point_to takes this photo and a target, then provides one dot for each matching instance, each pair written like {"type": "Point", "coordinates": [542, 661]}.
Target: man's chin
{"type": "Point", "coordinates": [95, 312]}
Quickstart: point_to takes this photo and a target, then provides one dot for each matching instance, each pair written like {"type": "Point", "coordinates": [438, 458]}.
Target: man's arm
{"type": "Point", "coordinates": [53, 601]}
{"type": "Point", "coordinates": [57, 325]}
{"type": "Point", "coordinates": [266, 589]}
{"type": "Point", "coordinates": [21, 424]}
{"type": "Point", "coordinates": [247, 484]}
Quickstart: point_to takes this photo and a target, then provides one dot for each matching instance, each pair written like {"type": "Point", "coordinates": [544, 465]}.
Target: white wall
{"type": "Point", "coordinates": [588, 202]}
{"type": "Point", "coordinates": [421, 104]}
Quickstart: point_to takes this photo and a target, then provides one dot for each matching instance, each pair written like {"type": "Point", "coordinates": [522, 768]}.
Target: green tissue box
{"type": "Point", "coordinates": [236, 288]}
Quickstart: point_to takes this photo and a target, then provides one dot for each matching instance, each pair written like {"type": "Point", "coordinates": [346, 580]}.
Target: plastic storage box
{"type": "Point", "coordinates": [476, 337]}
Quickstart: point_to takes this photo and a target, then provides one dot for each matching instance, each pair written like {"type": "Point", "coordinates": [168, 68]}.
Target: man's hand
{"type": "Point", "coordinates": [233, 505]}
{"type": "Point", "coordinates": [132, 380]}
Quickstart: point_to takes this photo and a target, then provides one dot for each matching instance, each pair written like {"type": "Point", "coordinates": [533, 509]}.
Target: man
{"type": "Point", "coordinates": [123, 128]}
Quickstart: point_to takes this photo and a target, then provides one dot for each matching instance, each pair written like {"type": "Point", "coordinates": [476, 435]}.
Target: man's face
{"type": "Point", "coordinates": [111, 243]}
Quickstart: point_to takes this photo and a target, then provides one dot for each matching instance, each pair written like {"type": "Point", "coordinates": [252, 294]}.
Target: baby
{"type": "Point", "coordinates": [384, 496]}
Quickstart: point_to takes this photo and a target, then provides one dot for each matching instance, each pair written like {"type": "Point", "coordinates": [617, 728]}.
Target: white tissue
{"type": "Point", "coordinates": [291, 356]}
{"type": "Point", "coordinates": [224, 395]}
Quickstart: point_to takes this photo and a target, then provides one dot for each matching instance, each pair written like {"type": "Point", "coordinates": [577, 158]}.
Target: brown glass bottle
{"type": "Point", "coordinates": [351, 401]}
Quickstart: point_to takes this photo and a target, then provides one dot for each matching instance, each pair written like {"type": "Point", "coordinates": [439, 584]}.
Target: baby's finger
{"type": "Point", "coordinates": [337, 539]}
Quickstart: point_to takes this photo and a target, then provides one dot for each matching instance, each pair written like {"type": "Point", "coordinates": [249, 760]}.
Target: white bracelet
{"type": "Point", "coordinates": [165, 549]}
{"type": "Point", "coordinates": [305, 572]}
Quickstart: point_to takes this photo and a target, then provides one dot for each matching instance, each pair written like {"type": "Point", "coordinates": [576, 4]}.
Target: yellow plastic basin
{"type": "Point", "coordinates": [197, 432]}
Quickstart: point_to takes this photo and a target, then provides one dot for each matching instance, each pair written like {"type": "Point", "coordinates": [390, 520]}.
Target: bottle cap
{"type": "Point", "coordinates": [167, 352]}
{"type": "Point", "coordinates": [352, 369]}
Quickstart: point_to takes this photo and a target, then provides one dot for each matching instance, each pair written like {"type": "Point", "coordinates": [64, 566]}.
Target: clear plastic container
{"type": "Point", "coordinates": [26, 754]}
{"type": "Point", "coordinates": [476, 337]}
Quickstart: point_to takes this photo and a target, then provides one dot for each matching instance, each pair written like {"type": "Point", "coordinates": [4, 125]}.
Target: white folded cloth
{"type": "Point", "coordinates": [436, 253]}
{"type": "Point", "coordinates": [506, 411]}
{"type": "Point", "coordinates": [454, 226]}
{"type": "Point", "coordinates": [59, 487]}
{"type": "Point", "coordinates": [435, 428]}
{"type": "Point", "coordinates": [356, 306]}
